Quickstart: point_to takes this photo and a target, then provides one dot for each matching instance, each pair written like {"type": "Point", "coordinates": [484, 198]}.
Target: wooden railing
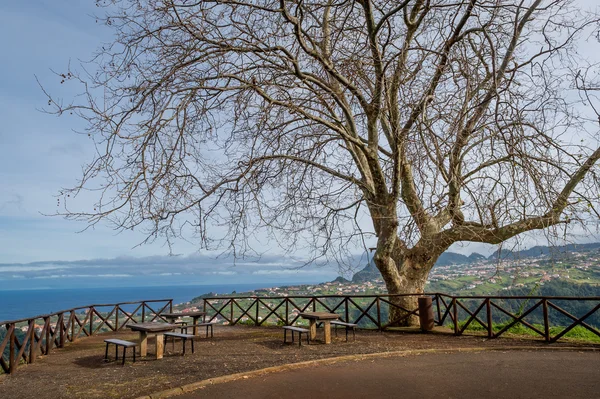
{"type": "Point", "coordinates": [24, 340]}
{"type": "Point", "coordinates": [494, 315]}
{"type": "Point", "coordinates": [497, 315]}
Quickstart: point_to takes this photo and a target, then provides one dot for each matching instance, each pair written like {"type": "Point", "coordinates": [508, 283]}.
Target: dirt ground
{"type": "Point", "coordinates": [79, 371]}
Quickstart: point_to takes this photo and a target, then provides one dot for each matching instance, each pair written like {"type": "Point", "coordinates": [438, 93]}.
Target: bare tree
{"type": "Point", "coordinates": [441, 120]}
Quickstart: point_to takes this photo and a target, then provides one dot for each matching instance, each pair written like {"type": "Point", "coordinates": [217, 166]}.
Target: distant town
{"type": "Point", "coordinates": [475, 275]}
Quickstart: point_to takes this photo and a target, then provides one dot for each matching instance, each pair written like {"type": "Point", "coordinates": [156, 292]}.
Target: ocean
{"type": "Point", "coordinates": [16, 304]}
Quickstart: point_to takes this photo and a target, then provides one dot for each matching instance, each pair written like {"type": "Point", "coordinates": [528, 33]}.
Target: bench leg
{"type": "Point", "coordinates": [183, 343]}
{"type": "Point", "coordinates": [116, 352]}
{"type": "Point", "coordinates": [106, 352]}
{"type": "Point", "coordinates": [134, 354]}
{"type": "Point", "coordinates": [284, 337]}
{"type": "Point", "coordinates": [299, 338]}
{"type": "Point", "coordinates": [327, 331]}
{"type": "Point", "coordinates": [160, 348]}
{"type": "Point", "coordinates": [143, 343]}
{"type": "Point", "coordinates": [192, 345]}
{"type": "Point", "coordinates": [124, 352]}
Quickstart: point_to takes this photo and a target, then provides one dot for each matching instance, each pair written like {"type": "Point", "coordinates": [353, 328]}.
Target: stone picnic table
{"type": "Point", "coordinates": [195, 315]}
{"type": "Point", "coordinates": [320, 317]}
{"type": "Point", "coordinates": [156, 328]}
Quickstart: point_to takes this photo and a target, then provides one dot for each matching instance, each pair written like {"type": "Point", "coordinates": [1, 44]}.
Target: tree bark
{"type": "Point", "coordinates": [410, 279]}
{"type": "Point", "coordinates": [404, 271]}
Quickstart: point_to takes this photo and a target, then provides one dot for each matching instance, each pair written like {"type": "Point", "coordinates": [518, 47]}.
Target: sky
{"type": "Point", "coordinates": [40, 153]}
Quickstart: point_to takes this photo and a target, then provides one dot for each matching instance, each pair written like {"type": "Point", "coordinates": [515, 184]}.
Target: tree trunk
{"type": "Point", "coordinates": [404, 270]}
{"type": "Point", "coordinates": [400, 312]}
{"type": "Point", "coordinates": [405, 276]}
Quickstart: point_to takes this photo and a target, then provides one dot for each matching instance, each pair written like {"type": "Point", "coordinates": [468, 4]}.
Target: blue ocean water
{"type": "Point", "coordinates": [25, 303]}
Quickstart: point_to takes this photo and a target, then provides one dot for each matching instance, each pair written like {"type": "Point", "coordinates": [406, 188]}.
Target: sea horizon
{"type": "Point", "coordinates": [28, 302]}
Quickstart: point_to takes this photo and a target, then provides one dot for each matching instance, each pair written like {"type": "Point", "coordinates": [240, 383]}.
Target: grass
{"type": "Point", "coordinates": [578, 333]}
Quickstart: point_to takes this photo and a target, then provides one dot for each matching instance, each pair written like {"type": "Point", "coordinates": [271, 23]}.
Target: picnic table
{"type": "Point", "coordinates": [156, 328]}
{"type": "Point", "coordinates": [195, 315]}
{"type": "Point", "coordinates": [320, 317]}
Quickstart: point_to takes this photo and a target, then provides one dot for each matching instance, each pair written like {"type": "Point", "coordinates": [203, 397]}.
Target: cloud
{"type": "Point", "coordinates": [193, 265]}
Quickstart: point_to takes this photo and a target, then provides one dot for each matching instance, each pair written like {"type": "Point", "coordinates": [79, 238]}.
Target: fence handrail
{"type": "Point", "coordinates": [26, 346]}
{"type": "Point", "coordinates": [449, 309]}
{"type": "Point", "coordinates": [42, 316]}
{"type": "Point", "coordinates": [548, 297]}
{"type": "Point", "coordinates": [433, 294]}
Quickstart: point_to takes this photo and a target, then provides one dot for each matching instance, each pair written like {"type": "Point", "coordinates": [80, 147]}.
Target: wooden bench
{"type": "Point", "coordinates": [183, 337]}
{"type": "Point", "coordinates": [117, 343]}
{"type": "Point", "coordinates": [299, 330]}
{"type": "Point", "coordinates": [348, 326]}
{"type": "Point", "coordinates": [184, 329]}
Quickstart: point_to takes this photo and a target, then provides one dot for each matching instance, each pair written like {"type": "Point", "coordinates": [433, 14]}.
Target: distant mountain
{"type": "Point", "coordinates": [452, 258]}
{"type": "Point", "coordinates": [474, 257]}
{"type": "Point", "coordinates": [370, 272]}
{"type": "Point", "coordinates": [558, 251]}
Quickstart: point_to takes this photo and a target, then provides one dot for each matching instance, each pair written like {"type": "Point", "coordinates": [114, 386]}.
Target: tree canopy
{"type": "Point", "coordinates": [438, 121]}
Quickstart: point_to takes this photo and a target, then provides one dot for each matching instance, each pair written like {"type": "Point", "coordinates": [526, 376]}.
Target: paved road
{"type": "Point", "coordinates": [513, 374]}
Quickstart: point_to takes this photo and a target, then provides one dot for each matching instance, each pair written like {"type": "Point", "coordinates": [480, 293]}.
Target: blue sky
{"type": "Point", "coordinates": [40, 153]}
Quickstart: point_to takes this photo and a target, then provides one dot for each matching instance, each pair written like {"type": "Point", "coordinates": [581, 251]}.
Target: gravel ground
{"type": "Point", "coordinates": [78, 370]}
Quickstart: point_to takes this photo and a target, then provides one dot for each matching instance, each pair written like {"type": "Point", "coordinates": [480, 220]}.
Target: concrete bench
{"type": "Point", "coordinates": [184, 329]}
{"type": "Point", "coordinates": [183, 337]}
{"type": "Point", "coordinates": [348, 326]}
{"type": "Point", "coordinates": [299, 330]}
{"type": "Point", "coordinates": [117, 343]}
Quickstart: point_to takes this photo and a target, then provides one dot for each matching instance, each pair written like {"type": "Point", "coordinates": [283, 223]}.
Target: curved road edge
{"type": "Point", "coordinates": [189, 388]}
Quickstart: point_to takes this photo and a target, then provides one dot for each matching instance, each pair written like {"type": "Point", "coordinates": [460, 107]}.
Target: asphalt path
{"type": "Point", "coordinates": [486, 374]}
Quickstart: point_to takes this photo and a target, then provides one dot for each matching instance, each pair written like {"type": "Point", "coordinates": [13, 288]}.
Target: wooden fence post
{"type": "Point", "coordinates": [378, 313]}
{"type": "Point", "coordinates": [347, 314]}
{"type": "Point", "coordinates": [143, 312]}
{"type": "Point", "coordinates": [60, 323]}
{"type": "Point", "coordinates": [91, 320]}
{"type": "Point", "coordinates": [47, 335]}
{"type": "Point", "coordinates": [488, 309]}
{"type": "Point", "coordinates": [117, 309]}
{"type": "Point", "coordinates": [546, 321]}
{"type": "Point", "coordinates": [31, 332]}
{"type": "Point", "coordinates": [73, 335]}
{"type": "Point", "coordinates": [256, 323]}
{"type": "Point", "coordinates": [439, 311]}
{"type": "Point", "coordinates": [455, 314]}
{"type": "Point", "coordinates": [12, 362]}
